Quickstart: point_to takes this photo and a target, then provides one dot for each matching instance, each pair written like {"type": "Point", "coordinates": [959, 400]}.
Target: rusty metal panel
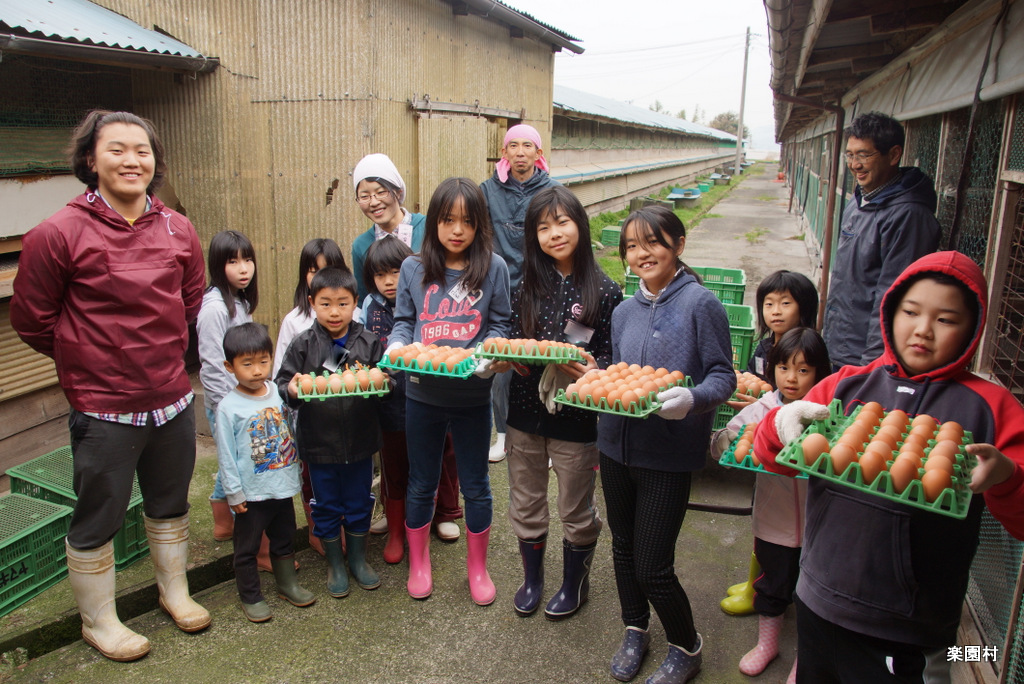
{"type": "Point", "coordinates": [22, 370]}
{"type": "Point", "coordinates": [451, 146]}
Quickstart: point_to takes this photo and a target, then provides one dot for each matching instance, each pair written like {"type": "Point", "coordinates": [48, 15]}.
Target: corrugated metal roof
{"type": "Point", "coordinates": [81, 21]}
{"type": "Point", "coordinates": [574, 100]}
{"type": "Point", "coordinates": [541, 23]}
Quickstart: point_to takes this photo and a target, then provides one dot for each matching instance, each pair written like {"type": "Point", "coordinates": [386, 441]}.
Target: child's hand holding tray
{"type": "Point", "coordinates": [918, 463]}
{"type": "Point", "coordinates": [360, 382]}
{"type": "Point", "coordinates": [622, 389]}
{"type": "Point", "coordinates": [450, 362]}
{"type": "Point", "coordinates": [740, 453]}
{"type": "Point", "coordinates": [528, 351]}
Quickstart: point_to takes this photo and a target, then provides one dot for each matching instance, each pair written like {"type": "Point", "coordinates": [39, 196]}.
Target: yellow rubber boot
{"type": "Point", "coordinates": [740, 600]}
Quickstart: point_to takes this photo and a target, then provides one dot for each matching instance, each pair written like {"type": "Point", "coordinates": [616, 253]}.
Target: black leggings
{"type": "Point", "coordinates": [645, 513]}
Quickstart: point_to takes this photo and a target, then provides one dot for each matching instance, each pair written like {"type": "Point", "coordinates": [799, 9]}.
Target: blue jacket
{"type": "Point", "coordinates": [685, 329]}
{"type": "Point", "coordinates": [877, 241]}
{"type": "Point", "coordinates": [507, 203]}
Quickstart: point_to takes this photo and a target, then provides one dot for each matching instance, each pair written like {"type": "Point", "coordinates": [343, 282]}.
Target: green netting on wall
{"type": "Point", "coordinates": [1016, 159]}
{"type": "Point", "coordinates": [43, 100]}
{"type": "Point", "coordinates": [1008, 356]}
{"type": "Point", "coordinates": [982, 173]}
{"type": "Point", "coordinates": [993, 581]}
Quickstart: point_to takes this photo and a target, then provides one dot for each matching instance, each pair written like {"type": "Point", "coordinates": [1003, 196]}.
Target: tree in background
{"type": "Point", "coordinates": [657, 107]}
{"type": "Point", "coordinates": [729, 122]}
{"type": "Point", "coordinates": [681, 114]}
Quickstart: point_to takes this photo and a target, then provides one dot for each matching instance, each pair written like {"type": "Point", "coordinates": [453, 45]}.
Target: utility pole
{"type": "Point", "coordinates": [743, 97]}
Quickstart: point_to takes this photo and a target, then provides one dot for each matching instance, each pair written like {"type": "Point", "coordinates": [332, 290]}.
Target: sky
{"type": "Point", "coordinates": [681, 53]}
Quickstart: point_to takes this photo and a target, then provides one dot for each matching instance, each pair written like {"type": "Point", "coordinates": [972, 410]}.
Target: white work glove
{"type": "Point", "coordinates": [483, 369]}
{"type": "Point", "coordinates": [550, 382]}
{"type": "Point", "coordinates": [676, 403]}
{"type": "Point", "coordinates": [792, 418]}
{"type": "Point", "coordinates": [721, 441]}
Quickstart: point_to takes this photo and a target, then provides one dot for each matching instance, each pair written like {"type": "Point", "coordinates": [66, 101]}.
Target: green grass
{"type": "Point", "coordinates": [608, 257]}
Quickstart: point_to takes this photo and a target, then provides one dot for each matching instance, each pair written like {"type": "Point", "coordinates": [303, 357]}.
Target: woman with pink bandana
{"type": "Point", "coordinates": [520, 174]}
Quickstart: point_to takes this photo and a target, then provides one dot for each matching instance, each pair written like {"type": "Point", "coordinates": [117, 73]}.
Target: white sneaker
{"type": "Point", "coordinates": [497, 452]}
{"type": "Point", "coordinates": [447, 531]}
{"type": "Point", "coordinates": [379, 526]}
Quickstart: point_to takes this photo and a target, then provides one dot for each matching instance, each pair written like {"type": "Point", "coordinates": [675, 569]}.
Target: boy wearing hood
{"type": "Point", "coordinates": [889, 222]}
{"type": "Point", "coordinates": [882, 584]}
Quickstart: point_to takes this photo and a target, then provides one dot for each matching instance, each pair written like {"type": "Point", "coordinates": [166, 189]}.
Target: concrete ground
{"type": "Point", "coordinates": [385, 636]}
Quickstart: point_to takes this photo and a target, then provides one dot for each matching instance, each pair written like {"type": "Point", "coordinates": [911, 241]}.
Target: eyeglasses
{"type": "Point", "coordinates": [380, 196]}
{"type": "Point", "coordinates": [859, 156]}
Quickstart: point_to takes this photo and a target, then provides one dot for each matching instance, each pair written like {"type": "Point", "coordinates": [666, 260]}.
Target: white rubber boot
{"type": "Point", "coordinates": [168, 546]}
{"type": "Point", "coordinates": [497, 452]}
{"type": "Point", "coordinates": [91, 574]}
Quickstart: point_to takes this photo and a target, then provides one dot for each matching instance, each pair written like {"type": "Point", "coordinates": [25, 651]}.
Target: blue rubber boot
{"type": "Point", "coordinates": [337, 574]}
{"type": "Point", "coordinates": [630, 656]}
{"type": "Point", "coordinates": [679, 666]}
{"type": "Point", "coordinates": [575, 581]}
{"type": "Point", "coordinates": [528, 596]}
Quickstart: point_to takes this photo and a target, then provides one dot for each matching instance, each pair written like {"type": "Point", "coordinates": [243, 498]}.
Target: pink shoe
{"type": "Point", "coordinates": [421, 583]}
{"type": "Point", "coordinates": [791, 679]}
{"type": "Point", "coordinates": [481, 588]}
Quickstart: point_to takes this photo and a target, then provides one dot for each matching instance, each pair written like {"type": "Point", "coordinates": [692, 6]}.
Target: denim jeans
{"type": "Point", "coordinates": [426, 426]}
{"type": "Point", "coordinates": [218, 489]}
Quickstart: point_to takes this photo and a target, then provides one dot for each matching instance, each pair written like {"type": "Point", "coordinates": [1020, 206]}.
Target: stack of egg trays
{"type": "Point", "coordinates": [357, 393]}
{"type": "Point", "coordinates": [553, 355]}
{"type": "Point", "coordinates": [463, 370]}
{"type": "Point", "coordinates": [953, 502]}
{"type": "Point", "coordinates": [728, 459]}
{"type": "Point", "coordinates": [634, 410]}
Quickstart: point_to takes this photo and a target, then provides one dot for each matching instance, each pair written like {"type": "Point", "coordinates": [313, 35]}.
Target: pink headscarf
{"type": "Point", "coordinates": [520, 131]}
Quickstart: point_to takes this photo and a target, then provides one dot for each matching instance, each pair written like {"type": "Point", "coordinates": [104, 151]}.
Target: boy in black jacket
{"type": "Point", "coordinates": [336, 437]}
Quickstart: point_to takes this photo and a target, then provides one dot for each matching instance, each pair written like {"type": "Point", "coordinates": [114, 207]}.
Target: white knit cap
{"type": "Point", "coordinates": [378, 166]}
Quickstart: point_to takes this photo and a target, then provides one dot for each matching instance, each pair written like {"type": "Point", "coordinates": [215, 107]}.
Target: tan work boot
{"type": "Point", "coordinates": [91, 574]}
{"type": "Point", "coordinates": [168, 546]}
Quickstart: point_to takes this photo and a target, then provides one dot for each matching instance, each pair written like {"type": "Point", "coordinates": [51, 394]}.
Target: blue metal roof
{"type": "Point", "coordinates": [81, 21]}
{"type": "Point", "coordinates": [574, 100]}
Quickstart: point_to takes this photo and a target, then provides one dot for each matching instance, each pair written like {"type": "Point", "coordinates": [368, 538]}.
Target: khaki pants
{"type": "Point", "coordinates": [575, 466]}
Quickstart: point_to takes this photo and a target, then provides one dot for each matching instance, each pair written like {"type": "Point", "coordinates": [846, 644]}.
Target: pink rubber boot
{"type": "Point", "coordinates": [421, 583]}
{"type": "Point", "coordinates": [481, 588]}
{"type": "Point", "coordinates": [754, 662]}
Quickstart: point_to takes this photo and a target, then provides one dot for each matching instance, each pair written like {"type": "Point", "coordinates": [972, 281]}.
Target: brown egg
{"type": "Point", "coordinates": [871, 464]}
{"type": "Point", "coordinates": [678, 376]}
{"type": "Point", "coordinates": [938, 463]}
{"type": "Point", "coordinates": [903, 471]}
{"type": "Point", "coordinates": [614, 396]}
{"type": "Point", "coordinates": [896, 418]}
{"type": "Point", "coordinates": [531, 347]}
{"type": "Point", "coordinates": [321, 384]}
{"type": "Point", "coordinates": [868, 419]}
{"type": "Point", "coordinates": [890, 434]}
{"type": "Point", "coordinates": [753, 457]}
{"type": "Point", "coordinates": [814, 445]}
{"type": "Point", "coordinates": [423, 360]}
{"type": "Point", "coordinates": [409, 355]}
{"type": "Point", "coordinates": [597, 394]}
{"type": "Point", "coordinates": [917, 440]}
{"type": "Point", "coordinates": [377, 378]}
{"type": "Point", "coordinates": [572, 389]}
{"type": "Point", "coordinates": [881, 448]}
{"type": "Point", "coordinates": [842, 456]}
{"type": "Point", "coordinates": [334, 383]}
{"type": "Point", "coordinates": [911, 452]}
{"type": "Point", "coordinates": [628, 399]}
{"type": "Point", "coordinates": [543, 346]}
{"type": "Point", "coordinates": [742, 449]}
{"type": "Point", "coordinates": [934, 482]}
{"type": "Point", "coordinates": [946, 448]}
{"type": "Point", "coordinates": [873, 407]}
{"type": "Point", "coordinates": [395, 355]}
{"type": "Point", "coordinates": [856, 434]}
{"type": "Point", "coordinates": [926, 422]}
{"type": "Point", "coordinates": [649, 387]}
{"type": "Point", "coordinates": [497, 345]}
{"type": "Point", "coordinates": [363, 378]}
{"type": "Point", "coordinates": [349, 379]}
{"type": "Point", "coordinates": [951, 430]}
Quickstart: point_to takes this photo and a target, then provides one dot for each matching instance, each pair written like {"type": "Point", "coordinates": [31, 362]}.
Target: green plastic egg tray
{"type": "Point", "coordinates": [553, 355]}
{"type": "Point", "coordinates": [635, 409]}
{"type": "Point", "coordinates": [343, 393]}
{"type": "Point", "coordinates": [954, 501]}
{"type": "Point", "coordinates": [463, 370]}
{"type": "Point", "coordinates": [728, 459]}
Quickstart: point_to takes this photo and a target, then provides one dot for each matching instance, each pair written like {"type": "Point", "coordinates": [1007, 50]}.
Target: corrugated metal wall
{"type": "Point", "coordinates": [305, 89]}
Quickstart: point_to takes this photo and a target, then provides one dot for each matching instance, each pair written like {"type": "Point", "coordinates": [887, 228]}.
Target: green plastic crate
{"type": "Point", "coordinates": [32, 555]}
{"type": "Point", "coordinates": [741, 332]}
{"type": "Point", "coordinates": [704, 187]}
{"type": "Point", "coordinates": [610, 236]}
{"type": "Point", "coordinates": [51, 478]}
{"type": "Point", "coordinates": [728, 284]}
{"type": "Point", "coordinates": [632, 284]}
{"type": "Point", "coordinates": [722, 416]}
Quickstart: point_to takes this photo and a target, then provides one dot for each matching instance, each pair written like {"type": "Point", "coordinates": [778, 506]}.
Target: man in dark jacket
{"type": "Point", "coordinates": [520, 174]}
{"type": "Point", "coordinates": [889, 224]}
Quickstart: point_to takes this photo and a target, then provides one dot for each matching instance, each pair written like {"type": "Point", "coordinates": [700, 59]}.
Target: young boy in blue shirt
{"type": "Point", "coordinates": [337, 437]}
{"type": "Point", "coordinates": [259, 470]}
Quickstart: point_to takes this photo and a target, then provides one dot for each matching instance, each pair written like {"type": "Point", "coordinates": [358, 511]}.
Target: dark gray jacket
{"type": "Point", "coordinates": [507, 203]}
{"type": "Point", "coordinates": [877, 241]}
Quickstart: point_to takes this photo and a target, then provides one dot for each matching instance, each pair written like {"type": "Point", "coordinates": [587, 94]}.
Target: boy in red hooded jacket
{"type": "Point", "coordinates": [882, 584]}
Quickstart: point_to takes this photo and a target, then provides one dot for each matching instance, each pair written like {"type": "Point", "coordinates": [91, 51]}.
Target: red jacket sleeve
{"type": "Point", "coordinates": [39, 287]}
{"type": "Point", "coordinates": [1006, 500]}
{"type": "Point", "coordinates": [193, 281]}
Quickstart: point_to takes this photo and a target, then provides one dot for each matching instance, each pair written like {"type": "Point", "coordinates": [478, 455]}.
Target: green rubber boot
{"type": "Point", "coordinates": [366, 577]}
{"type": "Point", "coordinates": [287, 579]}
{"type": "Point", "coordinates": [740, 600]}
{"type": "Point", "coordinates": [337, 574]}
